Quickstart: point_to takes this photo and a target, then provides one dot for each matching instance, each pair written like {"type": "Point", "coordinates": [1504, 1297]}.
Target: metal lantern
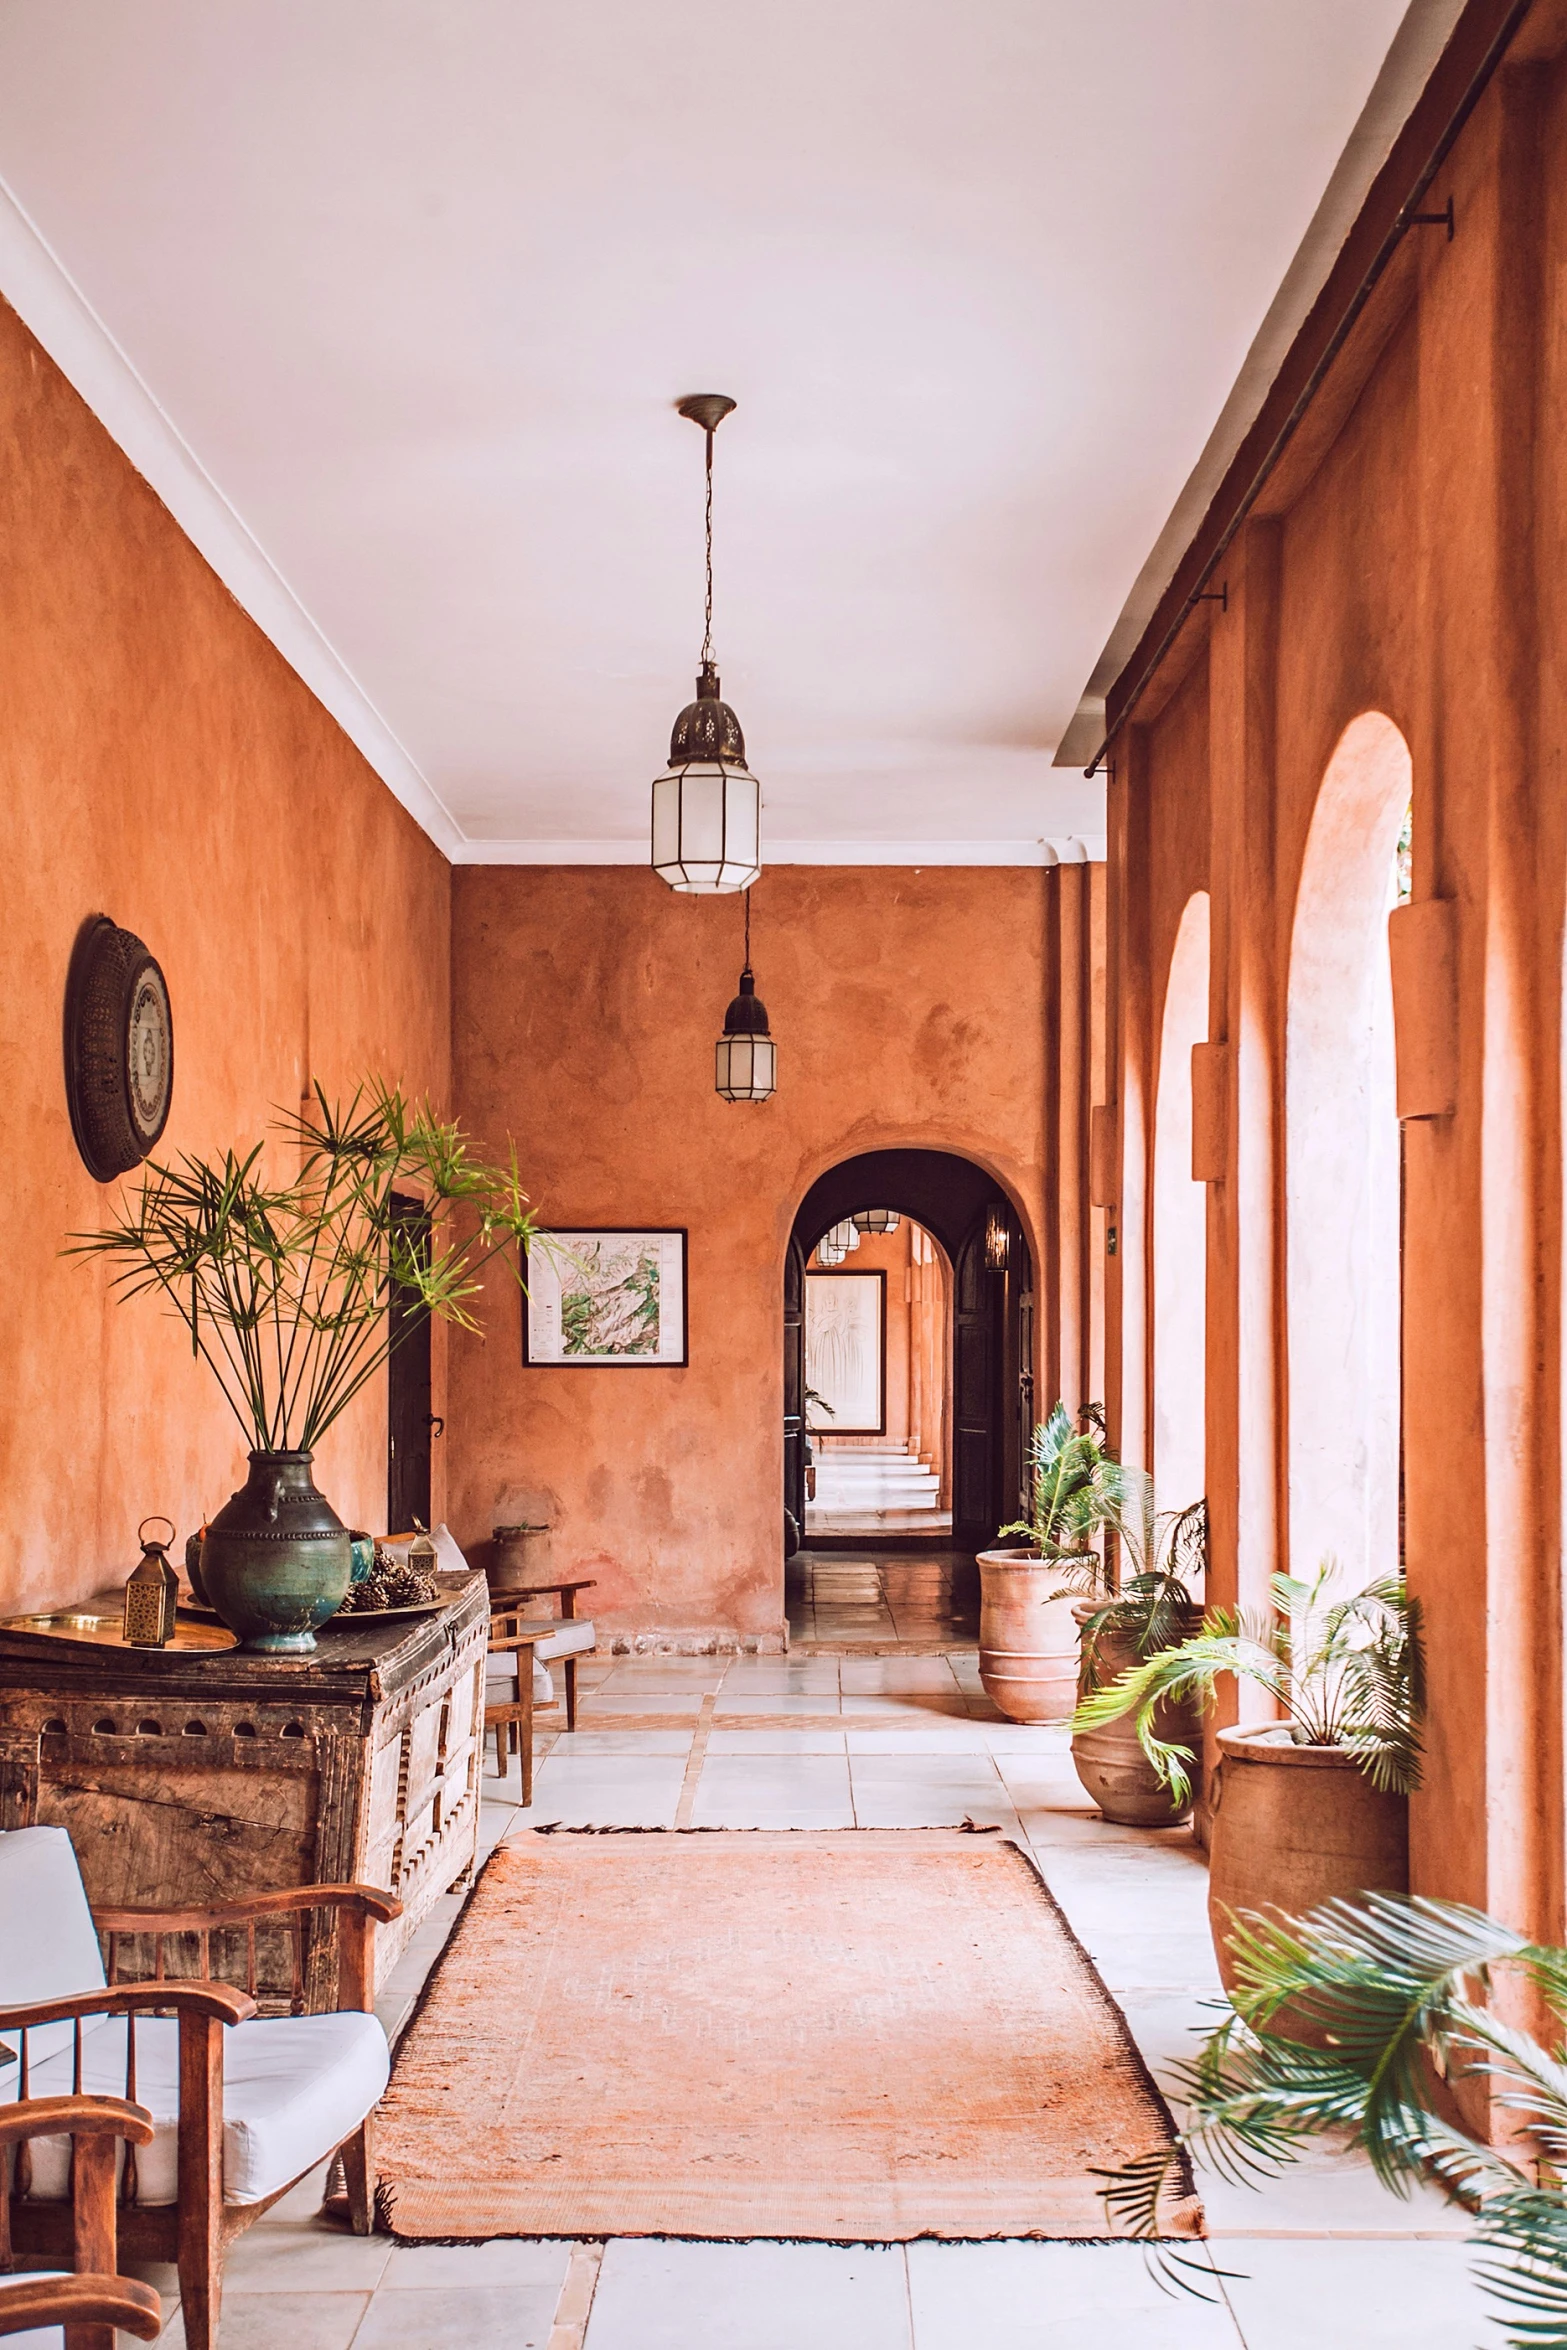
{"type": "Point", "coordinates": [826, 1254]}
{"type": "Point", "coordinates": [745, 1058]}
{"type": "Point", "coordinates": [875, 1219]}
{"type": "Point", "coordinates": [707, 806]}
{"type": "Point", "coordinates": [998, 1239]}
{"type": "Point", "coordinates": [844, 1236]}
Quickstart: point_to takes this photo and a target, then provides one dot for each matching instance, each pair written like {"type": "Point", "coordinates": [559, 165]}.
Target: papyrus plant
{"type": "Point", "coordinates": [284, 1286]}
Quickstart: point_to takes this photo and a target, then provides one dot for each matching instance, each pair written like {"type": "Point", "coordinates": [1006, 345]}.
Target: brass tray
{"type": "Point", "coordinates": [96, 1628]}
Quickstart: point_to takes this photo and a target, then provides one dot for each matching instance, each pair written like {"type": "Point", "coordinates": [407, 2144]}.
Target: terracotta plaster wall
{"type": "Point", "coordinates": [160, 763]}
{"type": "Point", "coordinates": [910, 1010]}
{"type": "Point", "coordinates": [1408, 560]}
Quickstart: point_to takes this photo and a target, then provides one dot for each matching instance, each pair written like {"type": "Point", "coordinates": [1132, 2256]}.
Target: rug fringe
{"type": "Point", "coordinates": [963, 1827]}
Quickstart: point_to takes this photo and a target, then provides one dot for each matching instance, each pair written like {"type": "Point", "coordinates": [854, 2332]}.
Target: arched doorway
{"type": "Point", "coordinates": [1343, 1239]}
{"type": "Point", "coordinates": [1180, 1227]}
{"type": "Point", "coordinates": [992, 1308]}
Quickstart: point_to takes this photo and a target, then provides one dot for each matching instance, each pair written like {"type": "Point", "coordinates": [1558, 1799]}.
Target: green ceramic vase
{"type": "Point", "coordinates": [277, 1558]}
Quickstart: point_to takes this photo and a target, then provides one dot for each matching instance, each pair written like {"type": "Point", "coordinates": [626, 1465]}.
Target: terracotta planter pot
{"type": "Point", "coordinates": [1294, 1826]}
{"type": "Point", "coordinates": [1027, 1640]}
{"type": "Point", "coordinates": [1109, 1761]}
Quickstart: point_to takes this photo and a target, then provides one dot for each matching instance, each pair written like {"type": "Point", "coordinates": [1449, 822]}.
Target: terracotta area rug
{"type": "Point", "coordinates": [859, 2036]}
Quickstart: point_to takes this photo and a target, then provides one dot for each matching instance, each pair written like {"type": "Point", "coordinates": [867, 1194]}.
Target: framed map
{"type": "Point", "coordinates": [846, 1352]}
{"type": "Point", "coordinates": [598, 1297]}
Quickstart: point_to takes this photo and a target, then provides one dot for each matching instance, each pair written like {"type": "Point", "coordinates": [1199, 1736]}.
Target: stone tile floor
{"type": "Point", "coordinates": [1323, 2260]}
{"type": "Point", "coordinates": [929, 1595]}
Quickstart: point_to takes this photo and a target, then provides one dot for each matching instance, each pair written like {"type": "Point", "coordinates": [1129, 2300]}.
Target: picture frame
{"type": "Point", "coordinates": [606, 1297]}
{"type": "Point", "coordinates": [846, 1350]}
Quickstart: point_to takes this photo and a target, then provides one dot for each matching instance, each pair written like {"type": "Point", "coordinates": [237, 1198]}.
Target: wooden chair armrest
{"type": "Point", "coordinates": [217, 2000]}
{"type": "Point", "coordinates": [75, 2117]}
{"type": "Point", "coordinates": [366, 1900]}
{"type": "Point", "coordinates": [81, 2301]}
{"type": "Point", "coordinates": [542, 1590]}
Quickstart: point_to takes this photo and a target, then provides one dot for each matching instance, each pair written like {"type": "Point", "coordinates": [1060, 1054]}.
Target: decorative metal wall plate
{"type": "Point", "coordinates": [119, 1048]}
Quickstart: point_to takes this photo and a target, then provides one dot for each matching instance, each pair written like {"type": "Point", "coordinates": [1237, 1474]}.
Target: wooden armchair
{"type": "Point", "coordinates": [243, 2105]}
{"type": "Point", "coordinates": [509, 1603]}
{"type": "Point", "coordinates": [93, 2302]}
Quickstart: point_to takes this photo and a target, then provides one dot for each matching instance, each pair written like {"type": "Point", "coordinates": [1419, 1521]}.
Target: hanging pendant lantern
{"type": "Point", "coordinates": [745, 1058]}
{"type": "Point", "coordinates": [875, 1219]}
{"type": "Point", "coordinates": [827, 1255]}
{"type": "Point", "coordinates": [707, 807]}
{"type": "Point", "coordinates": [844, 1237]}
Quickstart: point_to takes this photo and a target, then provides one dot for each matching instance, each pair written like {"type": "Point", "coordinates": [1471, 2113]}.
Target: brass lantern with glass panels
{"type": "Point", "coordinates": [875, 1219]}
{"type": "Point", "coordinates": [707, 806]}
{"type": "Point", "coordinates": [745, 1066]}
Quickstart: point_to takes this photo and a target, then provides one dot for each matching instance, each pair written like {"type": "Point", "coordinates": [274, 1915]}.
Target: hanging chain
{"type": "Point", "coordinates": [748, 930]}
{"type": "Point", "coordinates": [707, 629]}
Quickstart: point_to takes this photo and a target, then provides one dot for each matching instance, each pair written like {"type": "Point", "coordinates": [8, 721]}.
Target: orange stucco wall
{"type": "Point", "coordinates": [160, 763]}
{"type": "Point", "coordinates": [1408, 560]}
{"type": "Point", "coordinates": [910, 1009]}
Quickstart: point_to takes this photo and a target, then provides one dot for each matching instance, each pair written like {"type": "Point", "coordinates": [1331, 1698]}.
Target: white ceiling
{"type": "Point", "coordinates": [416, 282]}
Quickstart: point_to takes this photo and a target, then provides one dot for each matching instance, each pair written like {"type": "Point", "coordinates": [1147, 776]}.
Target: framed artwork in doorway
{"type": "Point", "coordinates": [846, 1352]}
{"type": "Point", "coordinates": [600, 1298]}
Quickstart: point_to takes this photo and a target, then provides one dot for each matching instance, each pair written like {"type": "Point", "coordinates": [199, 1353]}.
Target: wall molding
{"type": "Point", "coordinates": [1062, 849]}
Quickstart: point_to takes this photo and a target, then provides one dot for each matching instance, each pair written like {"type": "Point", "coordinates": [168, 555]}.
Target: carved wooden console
{"type": "Point", "coordinates": [192, 1779]}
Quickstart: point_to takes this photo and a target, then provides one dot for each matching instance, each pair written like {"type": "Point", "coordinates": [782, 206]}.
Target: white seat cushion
{"type": "Point", "coordinates": [573, 1639]}
{"type": "Point", "coordinates": [48, 1943]}
{"type": "Point", "coordinates": [501, 1683]}
{"type": "Point", "coordinates": [294, 2087]}
{"type": "Point", "coordinates": [36, 2337]}
{"type": "Point", "coordinates": [449, 1556]}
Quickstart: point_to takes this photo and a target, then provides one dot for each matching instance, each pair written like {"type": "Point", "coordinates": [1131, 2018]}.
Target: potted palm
{"type": "Point", "coordinates": [1342, 2022]}
{"type": "Point", "coordinates": [284, 1287]}
{"type": "Point", "coordinates": [1153, 1610]}
{"type": "Point", "coordinates": [1315, 1805]}
{"type": "Point", "coordinates": [1028, 1653]}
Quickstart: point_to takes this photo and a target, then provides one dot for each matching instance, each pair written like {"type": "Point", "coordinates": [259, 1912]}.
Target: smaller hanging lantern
{"type": "Point", "coordinates": [745, 1058]}
{"type": "Point", "coordinates": [827, 1254]}
{"type": "Point", "coordinates": [875, 1219]}
{"type": "Point", "coordinates": [998, 1240]}
{"type": "Point", "coordinates": [151, 1592]}
{"type": "Point", "coordinates": [844, 1236]}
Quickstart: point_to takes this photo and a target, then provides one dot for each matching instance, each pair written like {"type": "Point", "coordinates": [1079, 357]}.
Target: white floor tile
{"type": "Point", "coordinates": [1057, 2297]}
{"type": "Point", "coordinates": [806, 1779]}
{"type": "Point", "coordinates": [474, 2317]}
{"type": "Point", "coordinates": [669, 2296]}
{"type": "Point", "coordinates": [760, 1742]}
{"type": "Point", "coordinates": [772, 1701]}
{"type": "Point", "coordinates": [1377, 2296]}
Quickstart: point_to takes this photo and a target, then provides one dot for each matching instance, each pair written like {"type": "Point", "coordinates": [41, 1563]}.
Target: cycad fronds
{"type": "Point", "coordinates": [1075, 1490]}
{"type": "Point", "coordinates": [1386, 1987]}
{"type": "Point", "coordinates": [1347, 1672]}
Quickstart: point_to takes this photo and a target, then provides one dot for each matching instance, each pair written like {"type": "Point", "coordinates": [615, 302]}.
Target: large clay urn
{"type": "Point", "coordinates": [1110, 1760]}
{"type": "Point", "coordinates": [1294, 1826]}
{"type": "Point", "coordinates": [277, 1558]}
{"type": "Point", "coordinates": [1027, 1637]}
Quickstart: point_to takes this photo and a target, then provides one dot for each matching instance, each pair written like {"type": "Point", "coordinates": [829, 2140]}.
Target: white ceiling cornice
{"type": "Point", "coordinates": [55, 311]}
{"type": "Point", "coordinates": [1065, 849]}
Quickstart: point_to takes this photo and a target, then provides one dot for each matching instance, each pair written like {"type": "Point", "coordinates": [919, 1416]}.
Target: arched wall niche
{"type": "Point", "coordinates": [1180, 1226]}
{"type": "Point", "coordinates": [1342, 1166]}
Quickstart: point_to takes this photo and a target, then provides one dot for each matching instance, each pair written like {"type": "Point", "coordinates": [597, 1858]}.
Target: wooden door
{"type": "Point", "coordinates": [975, 1392]}
{"type": "Point", "coordinates": [410, 1422]}
{"type": "Point", "coordinates": [794, 1397]}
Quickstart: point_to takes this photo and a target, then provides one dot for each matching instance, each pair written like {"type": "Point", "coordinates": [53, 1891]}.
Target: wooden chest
{"type": "Point", "coordinates": [192, 1779]}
